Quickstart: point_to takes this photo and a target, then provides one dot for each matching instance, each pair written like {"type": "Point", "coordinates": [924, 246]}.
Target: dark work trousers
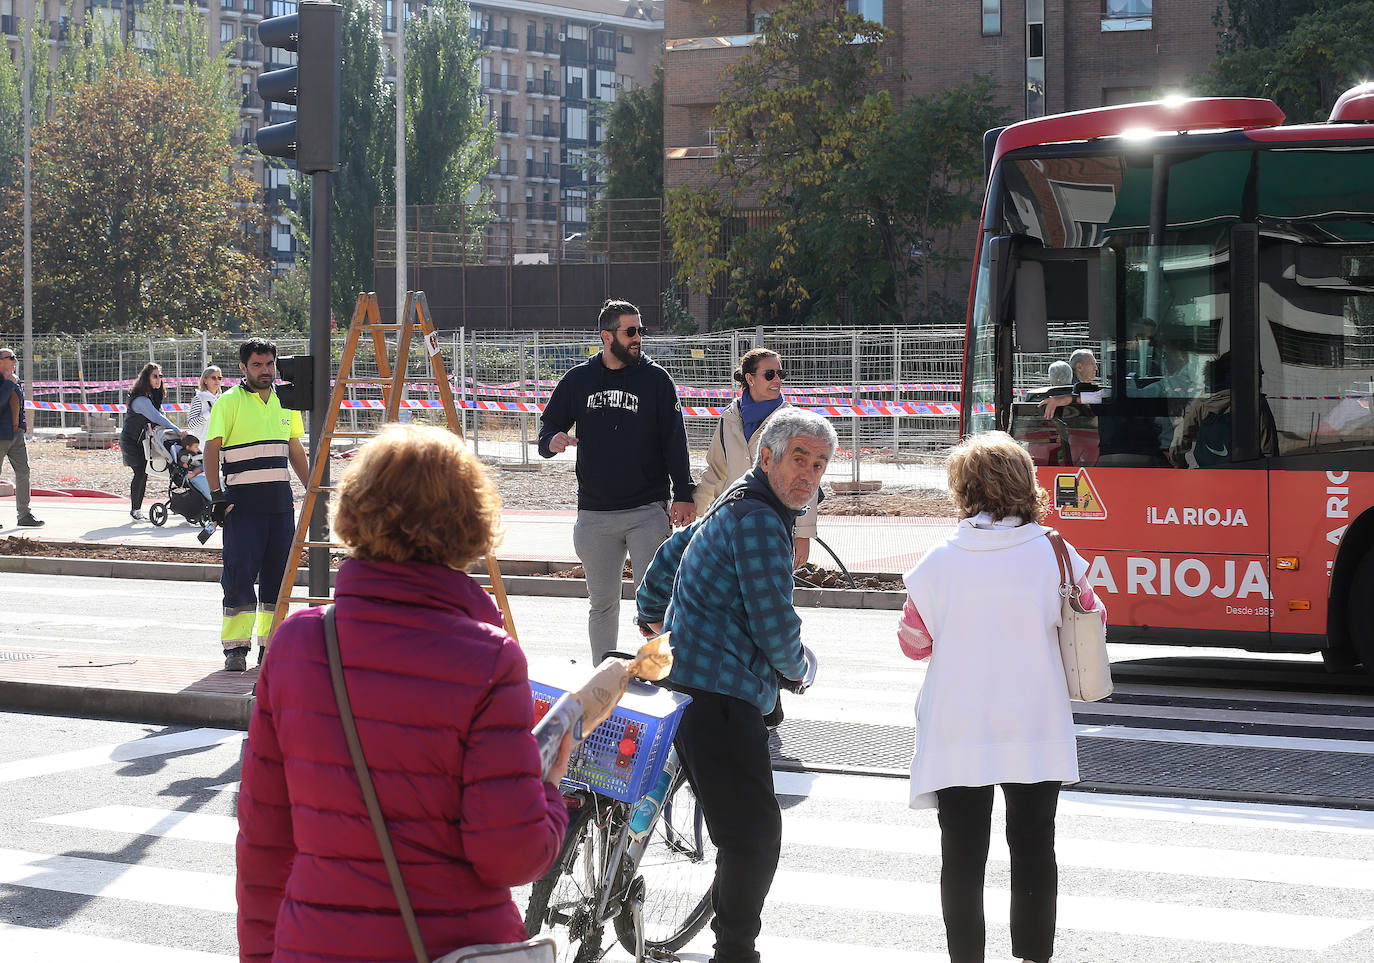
{"type": "Point", "coordinates": [965, 826]}
{"type": "Point", "coordinates": [134, 458]}
{"type": "Point", "coordinates": [257, 546]}
{"type": "Point", "coordinates": [724, 745]}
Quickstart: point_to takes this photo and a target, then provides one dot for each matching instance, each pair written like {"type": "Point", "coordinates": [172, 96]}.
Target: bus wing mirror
{"type": "Point", "coordinates": [1032, 333]}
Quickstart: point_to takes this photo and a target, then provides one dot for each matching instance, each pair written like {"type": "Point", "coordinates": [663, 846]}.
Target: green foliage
{"type": "Point", "coordinates": [286, 306]}
{"type": "Point", "coordinates": [448, 138]}
{"type": "Point", "coordinates": [11, 101]}
{"type": "Point", "coordinates": [676, 318]}
{"type": "Point", "coordinates": [1301, 54]}
{"type": "Point", "coordinates": [631, 156]}
{"type": "Point", "coordinates": [139, 209]}
{"type": "Point", "coordinates": [861, 198]}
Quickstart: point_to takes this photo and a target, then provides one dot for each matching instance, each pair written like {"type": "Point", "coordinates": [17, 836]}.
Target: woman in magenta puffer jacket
{"type": "Point", "coordinates": [444, 713]}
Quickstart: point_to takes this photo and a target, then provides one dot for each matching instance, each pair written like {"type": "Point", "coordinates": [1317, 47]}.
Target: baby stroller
{"type": "Point", "coordinates": [182, 497]}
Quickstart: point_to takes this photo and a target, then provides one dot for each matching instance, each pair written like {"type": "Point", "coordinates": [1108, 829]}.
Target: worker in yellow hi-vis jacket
{"type": "Point", "coordinates": [258, 439]}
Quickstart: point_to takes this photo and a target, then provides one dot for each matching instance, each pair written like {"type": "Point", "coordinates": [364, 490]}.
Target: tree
{"type": "Point", "coordinates": [859, 199]}
{"type": "Point", "coordinates": [1301, 54]}
{"type": "Point", "coordinates": [448, 138]}
{"type": "Point", "coordinates": [11, 101]}
{"type": "Point", "coordinates": [631, 156]}
{"type": "Point", "coordinates": [143, 212]}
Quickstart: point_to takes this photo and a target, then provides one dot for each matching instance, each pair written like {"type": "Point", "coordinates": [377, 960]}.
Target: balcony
{"type": "Point", "coordinates": [9, 24]}
{"type": "Point", "coordinates": [61, 30]}
{"type": "Point", "coordinates": [536, 170]}
{"type": "Point", "coordinates": [546, 87]}
{"type": "Point", "coordinates": [245, 53]}
{"type": "Point", "coordinates": [501, 38]}
{"type": "Point", "coordinates": [545, 128]}
{"type": "Point", "coordinates": [546, 211]}
{"type": "Point", "coordinates": [505, 168]}
{"type": "Point", "coordinates": [388, 24]}
{"type": "Point", "coordinates": [507, 82]}
{"type": "Point", "coordinates": [546, 44]}
{"type": "Point", "coordinates": [250, 6]}
{"type": "Point", "coordinates": [506, 125]}
{"type": "Point", "coordinates": [712, 43]}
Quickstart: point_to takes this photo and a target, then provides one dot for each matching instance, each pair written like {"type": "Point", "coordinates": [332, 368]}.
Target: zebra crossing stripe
{"type": "Point", "coordinates": [106, 878]}
{"type": "Point", "coordinates": [121, 752]}
{"type": "Point", "coordinates": [26, 944]}
{"type": "Point", "coordinates": [817, 951]}
{"type": "Point", "coordinates": [1162, 859]}
{"type": "Point", "coordinates": [169, 824]}
{"type": "Point", "coordinates": [1174, 921]}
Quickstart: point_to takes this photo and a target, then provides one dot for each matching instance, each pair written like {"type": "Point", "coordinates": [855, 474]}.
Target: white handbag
{"type": "Point", "coordinates": [1082, 635]}
{"type": "Point", "coordinates": [541, 949]}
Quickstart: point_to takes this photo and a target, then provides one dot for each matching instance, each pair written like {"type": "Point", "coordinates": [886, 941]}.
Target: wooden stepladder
{"type": "Point", "coordinates": [391, 381]}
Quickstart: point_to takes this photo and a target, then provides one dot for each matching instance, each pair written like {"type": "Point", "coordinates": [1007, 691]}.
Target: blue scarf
{"type": "Point", "coordinates": [754, 413]}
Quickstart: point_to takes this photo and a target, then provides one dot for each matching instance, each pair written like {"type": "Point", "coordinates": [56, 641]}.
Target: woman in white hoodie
{"type": "Point", "coordinates": [735, 445]}
{"type": "Point", "coordinates": [983, 607]}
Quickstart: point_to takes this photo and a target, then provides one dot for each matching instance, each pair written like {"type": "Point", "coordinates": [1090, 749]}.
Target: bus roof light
{"type": "Point", "coordinates": [1355, 106]}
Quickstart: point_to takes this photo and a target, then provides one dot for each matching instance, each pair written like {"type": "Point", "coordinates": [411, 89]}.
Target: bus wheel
{"type": "Point", "coordinates": [1359, 612]}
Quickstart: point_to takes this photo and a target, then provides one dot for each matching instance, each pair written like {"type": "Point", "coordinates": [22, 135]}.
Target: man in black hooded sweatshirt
{"type": "Point", "coordinates": [631, 456]}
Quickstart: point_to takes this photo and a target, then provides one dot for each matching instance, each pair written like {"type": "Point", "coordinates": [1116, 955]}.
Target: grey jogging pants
{"type": "Point", "coordinates": [602, 540]}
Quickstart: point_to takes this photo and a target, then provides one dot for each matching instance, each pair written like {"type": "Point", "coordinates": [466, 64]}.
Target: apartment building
{"type": "Point", "coordinates": [545, 68]}
{"type": "Point", "coordinates": [1045, 56]}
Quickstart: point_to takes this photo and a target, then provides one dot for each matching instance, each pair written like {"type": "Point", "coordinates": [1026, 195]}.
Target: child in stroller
{"type": "Point", "coordinates": [188, 493]}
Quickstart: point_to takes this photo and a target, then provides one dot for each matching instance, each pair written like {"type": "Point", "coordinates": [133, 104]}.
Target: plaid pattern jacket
{"type": "Point", "coordinates": [723, 587]}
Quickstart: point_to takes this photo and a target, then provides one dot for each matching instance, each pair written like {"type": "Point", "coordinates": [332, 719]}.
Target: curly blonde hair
{"type": "Point", "coordinates": [992, 473]}
{"type": "Point", "coordinates": [415, 494]}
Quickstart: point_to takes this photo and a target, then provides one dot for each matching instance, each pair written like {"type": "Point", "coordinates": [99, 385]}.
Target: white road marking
{"type": "Point", "coordinates": [25, 944]}
{"type": "Point", "coordinates": [99, 877]}
{"type": "Point", "coordinates": [123, 752]}
{"type": "Point", "coordinates": [1194, 738]}
{"type": "Point", "coordinates": [169, 824]}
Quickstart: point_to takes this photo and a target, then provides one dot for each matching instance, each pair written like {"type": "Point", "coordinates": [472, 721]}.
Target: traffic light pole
{"type": "Point", "coordinates": [320, 353]}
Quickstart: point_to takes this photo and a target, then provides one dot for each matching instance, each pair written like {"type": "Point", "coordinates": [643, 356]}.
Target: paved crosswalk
{"type": "Point", "coordinates": [1142, 879]}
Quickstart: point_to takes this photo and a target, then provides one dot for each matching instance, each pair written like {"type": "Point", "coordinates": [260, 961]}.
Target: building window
{"type": "Point", "coordinates": [992, 18]}
{"type": "Point", "coordinates": [1127, 14]}
{"type": "Point", "coordinates": [226, 33]}
{"type": "Point", "coordinates": [627, 44]}
{"type": "Point", "coordinates": [868, 9]}
{"type": "Point", "coordinates": [1035, 58]}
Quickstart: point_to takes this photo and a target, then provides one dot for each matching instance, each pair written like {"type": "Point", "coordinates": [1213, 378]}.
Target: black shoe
{"type": "Point", "coordinates": [236, 660]}
{"type": "Point", "coordinates": [28, 521]}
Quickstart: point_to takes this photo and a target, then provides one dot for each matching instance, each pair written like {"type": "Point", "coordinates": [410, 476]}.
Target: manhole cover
{"type": "Point", "coordinates": [18, 656]}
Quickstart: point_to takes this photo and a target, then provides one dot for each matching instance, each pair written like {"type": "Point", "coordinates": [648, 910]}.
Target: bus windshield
{"type": "Point", "coordinates": [1163, 282]}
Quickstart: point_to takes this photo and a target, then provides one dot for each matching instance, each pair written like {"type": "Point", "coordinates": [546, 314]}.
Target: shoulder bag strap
{"type": "Point", "coordinates": [1068, 588]}
{"type": "Point", "coordinates": [374, 809]}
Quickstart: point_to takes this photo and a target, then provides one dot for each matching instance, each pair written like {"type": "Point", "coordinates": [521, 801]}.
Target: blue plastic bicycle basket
{"type": "Point", "coordinates": [623, 756]}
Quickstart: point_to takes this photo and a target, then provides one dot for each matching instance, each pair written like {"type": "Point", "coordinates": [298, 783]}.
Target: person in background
{"type": "Point", "coordinates": [723, 588]}
{"type": "Point", "coordinates": [1085, 390]}
{"type": "Point", "coordinates": [631, 453]}
{"type": "Point", "coordinates": [442, 698]}
{"type": "Point", "coordinates": [211, 381]}
{"type": "Point", "coordinates": [252, 500]}
{"type": "Point", "coordinates": [14, 425]}
{"type": "Point", "coordinates": [144, 410]}
{"type": "Point", "coordinates": [735, 445]}
{"type": "Point", "coordinates": [189, 457]}
{"type": "Point", "coordinates": [1060, 374]}
{"type": "Point", "coordinates": [984, 608]}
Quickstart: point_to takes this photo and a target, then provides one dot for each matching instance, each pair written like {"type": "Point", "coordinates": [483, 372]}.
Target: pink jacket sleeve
{"type": "Point", "coordinates": [266, 845]}
{"type": "Point", "coordinates": [912, 634]}
{"type": "Point", "coordinates": [1088, 598]}
{"type": "Point", "coordinates": [513, 822]}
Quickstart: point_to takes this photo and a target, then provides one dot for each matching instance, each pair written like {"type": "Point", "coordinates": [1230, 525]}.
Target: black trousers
{"type": "Point", "coordinates": [136, 460]}
{"type": "Point", "coordinates": [724, 745]}
{"type": "Point", "coordinates": [965, 827]}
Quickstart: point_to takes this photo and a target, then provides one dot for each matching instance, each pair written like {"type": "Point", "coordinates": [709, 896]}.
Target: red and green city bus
{"type": "Point", "coordinates": [1220, 269]}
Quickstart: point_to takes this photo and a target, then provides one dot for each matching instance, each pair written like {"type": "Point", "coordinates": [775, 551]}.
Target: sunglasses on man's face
{"type": "Point", "coordinates": [633, 330]}
{"type": "Point", "coordinates": [772, 373]}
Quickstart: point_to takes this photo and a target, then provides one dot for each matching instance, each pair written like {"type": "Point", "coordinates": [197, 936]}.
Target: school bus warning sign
{"type": "Point", "coordinates": [1075, 497]}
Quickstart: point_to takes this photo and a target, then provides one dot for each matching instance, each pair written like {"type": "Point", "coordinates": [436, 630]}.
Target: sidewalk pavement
{"type": "Point", "coordinates": [174, 691]}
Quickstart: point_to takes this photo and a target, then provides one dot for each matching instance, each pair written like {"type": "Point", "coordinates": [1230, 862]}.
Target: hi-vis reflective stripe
{"type": "Point", "coordinates": [237, 629]}
{"type": "Point", "coordinates": [264, 623]}
{"type": "Point", "coordinates": [256, 476]}
{"type": "Point", "coordinates": [257, 449]}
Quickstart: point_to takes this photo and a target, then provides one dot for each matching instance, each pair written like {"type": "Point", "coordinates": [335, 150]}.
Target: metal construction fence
{"type": "Point", "coordinates": [892, 393]}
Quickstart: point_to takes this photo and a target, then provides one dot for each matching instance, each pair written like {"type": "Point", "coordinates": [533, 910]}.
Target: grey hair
{"type": "Point", "coordinates": [1082, 354]}
{"type": "Point", "coordinates": [1061, 373]}
{"type": "Point", "coordinates": [790, 422]}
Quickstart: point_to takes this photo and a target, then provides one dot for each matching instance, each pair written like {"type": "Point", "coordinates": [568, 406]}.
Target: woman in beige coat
{"type": "Point", "coordinates": [735, 444]}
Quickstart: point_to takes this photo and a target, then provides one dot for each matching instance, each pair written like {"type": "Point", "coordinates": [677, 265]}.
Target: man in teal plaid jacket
{"type": "Point", "coordinates": [723, 587]}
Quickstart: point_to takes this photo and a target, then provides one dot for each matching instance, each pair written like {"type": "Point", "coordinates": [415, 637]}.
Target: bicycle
{"type": "Point", "coordinates": [650, 879]}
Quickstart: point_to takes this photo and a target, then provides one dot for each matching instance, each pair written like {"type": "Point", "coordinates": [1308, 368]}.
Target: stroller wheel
{"type": "Point", "coordinates": [157, 514]}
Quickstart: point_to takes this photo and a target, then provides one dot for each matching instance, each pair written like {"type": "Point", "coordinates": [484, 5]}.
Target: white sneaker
{"type": "Point", "coordinates": [137, 516]}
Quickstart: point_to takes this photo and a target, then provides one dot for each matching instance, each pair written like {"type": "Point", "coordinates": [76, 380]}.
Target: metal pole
{"type": "Point", "coordinates": [28, 202]}
{"type": "Point", "coordinates": [401, 166]}
{"type": "Point", "coordinates": [61, 391]}
{"type": "Point", "coordinates": [176, 387]}
{"type": "Point", "coordinates": [204, 349]}
{"type": "Point", "coordinates": [896, 380]}
{"type": "Point", "coordinates": [319, 350]}
{"type": "Point", "coordinates": [462, 379]}
{"type": "Point", "coordinates": [854, 402]}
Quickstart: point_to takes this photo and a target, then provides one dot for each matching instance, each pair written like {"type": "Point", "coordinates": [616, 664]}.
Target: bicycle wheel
{"type": "Point", "coordinates": [564, 899]}
{"type": "Point", "coordinates": [678, 868]}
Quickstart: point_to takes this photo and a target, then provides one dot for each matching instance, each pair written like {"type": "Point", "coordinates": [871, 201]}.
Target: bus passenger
{"type": "Point", "coordinates": [1083, 364]}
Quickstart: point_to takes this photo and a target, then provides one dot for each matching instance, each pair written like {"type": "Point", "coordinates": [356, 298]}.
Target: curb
{"type": "Point", "coordinates": [536, 584]}
{"type": "Point", "coordinates": [129, 705]}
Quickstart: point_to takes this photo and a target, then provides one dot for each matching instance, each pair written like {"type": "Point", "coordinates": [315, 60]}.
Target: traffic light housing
{"type": "Point", "coordinates": [315, 33]}
{"type": "Point", "coordinates": [298, 371]}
